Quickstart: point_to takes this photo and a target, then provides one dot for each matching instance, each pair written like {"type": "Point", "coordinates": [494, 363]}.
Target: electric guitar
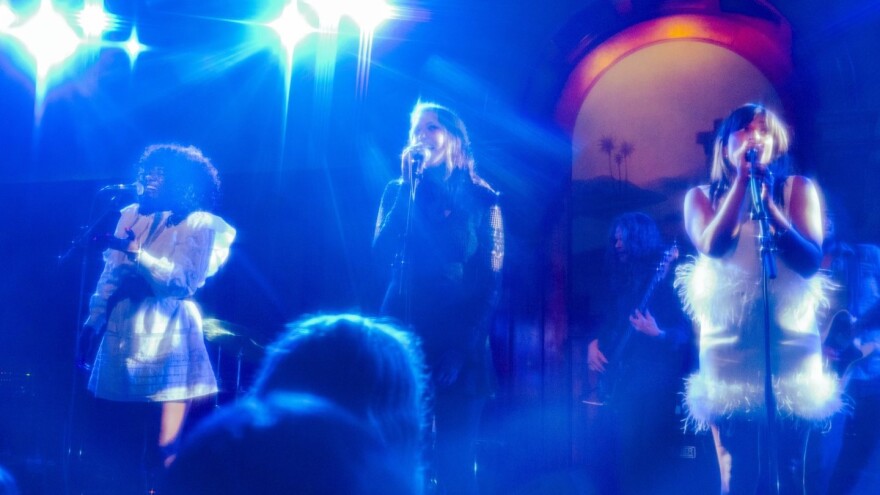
{"type": "Point", "coordinates": [610, 379]}
{"type": "Point", "coordinates": [839, 347]}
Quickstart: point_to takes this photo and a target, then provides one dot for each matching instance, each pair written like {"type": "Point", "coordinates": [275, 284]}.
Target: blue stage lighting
{"type": "Point", "coordinates": [329, 12]}
{"type": "Point", "coordinates": [291, 27]}
{"type": "Point", "coordinates": [7, 17]}
{"type": "Point", "coordinates": [93, 19]}
{"type": "Point", "coordinates": [48, 37]}
{"type": "Point", "coordinates": [133, 47]}
{"type": "Point", "coordinates": [367, 14]}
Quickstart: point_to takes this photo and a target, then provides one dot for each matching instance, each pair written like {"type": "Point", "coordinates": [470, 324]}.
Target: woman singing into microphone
{"type": "Point", "coordinates": [439, 229]}
{"type": "Point", "coordinates": [722, 290]}
{"type": "Point", "coordinates": [152, 361]}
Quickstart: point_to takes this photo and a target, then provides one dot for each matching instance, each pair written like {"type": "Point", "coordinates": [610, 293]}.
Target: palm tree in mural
{"type": "Point", "coordinates": [606, 144]}
{"type": "Point", "coordinates": [626, 149]}
{"type": "Point", "coordinates": [618, 159]}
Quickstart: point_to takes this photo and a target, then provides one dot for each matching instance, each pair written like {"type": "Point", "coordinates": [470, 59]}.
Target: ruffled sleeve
{"type": "Point", "coordinates": [201, 246]}
{"type": "Point", "coordinates": [116, 267]}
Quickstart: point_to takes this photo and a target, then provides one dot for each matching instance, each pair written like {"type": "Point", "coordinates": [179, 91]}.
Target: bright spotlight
{"type": "Point", "coordinates": [291, 27]}
{"type": "Point", "coordinates": [329, 11]}
{"type": "Point", "coordinates": [48, 37]}
{"type": "Point", "coordinates": [93, 19]}
{"type": "Point", "coordinates": [368, 14]}
{"type": "Point", "coordinates": [133, 47]}
{"type": "Point", "coordinates": [7, 17]}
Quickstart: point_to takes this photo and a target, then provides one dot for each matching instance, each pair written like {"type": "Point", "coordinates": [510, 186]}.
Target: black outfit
{"type": "Point", "coordinates": [444, 283]}
{"type": "Point", "coordinates": [858, 467]}
{"type": "Point", "coordinates": [287, 443]}
{"type": "Point", "coordinates": [855, 268]}
{"type": "Point", "coordinates": [638, 428]}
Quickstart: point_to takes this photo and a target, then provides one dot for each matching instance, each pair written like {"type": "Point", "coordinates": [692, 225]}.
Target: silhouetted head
{"type": "Point", "coordinates": [288, 443]}
{"type": "Point", "coordinates": [367, 366]}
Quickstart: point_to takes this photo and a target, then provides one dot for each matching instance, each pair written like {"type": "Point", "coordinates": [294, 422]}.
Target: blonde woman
{"type": "Point", "coordinates": [439, 231]}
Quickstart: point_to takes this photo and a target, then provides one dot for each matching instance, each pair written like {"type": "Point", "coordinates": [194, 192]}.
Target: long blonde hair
{"type": "Point", "coordinates": [459, 155]}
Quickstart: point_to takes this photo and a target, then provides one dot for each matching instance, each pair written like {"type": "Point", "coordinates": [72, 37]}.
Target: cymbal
{"type": "Point", "coordinates": [232, 337]}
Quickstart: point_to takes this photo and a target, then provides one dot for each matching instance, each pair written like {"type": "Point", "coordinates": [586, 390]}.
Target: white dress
{"type": "Point", "coordinates": [153, 348]}
{"type": "Point", "coordinates": [724, 297]}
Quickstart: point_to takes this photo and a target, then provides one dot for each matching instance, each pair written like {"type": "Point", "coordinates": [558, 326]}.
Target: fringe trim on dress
{"type": "Point", "coordinates": [720, 294]}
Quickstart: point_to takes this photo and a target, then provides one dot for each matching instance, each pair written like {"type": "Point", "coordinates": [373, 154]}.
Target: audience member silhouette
{"type": "Point", "coordinates": [287, 443]}
{"type": "Point", "coordinates": [366, 375]}
{"type": "Point", "coordinates": [367, 366]}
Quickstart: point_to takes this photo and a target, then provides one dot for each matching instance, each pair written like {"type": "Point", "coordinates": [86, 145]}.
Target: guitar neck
{"type": "Point", "coordinates": [662, 269]}
{"type": "Point", "coordinates": [643, 304]}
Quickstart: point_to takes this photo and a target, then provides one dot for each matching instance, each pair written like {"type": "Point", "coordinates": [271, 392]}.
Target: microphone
{"type": "Point", "coordinates": [752, 155]}
{"type": "Point", "coordinates": [417, 155]}
{"type": "Point", "coordinates": [135, 187]}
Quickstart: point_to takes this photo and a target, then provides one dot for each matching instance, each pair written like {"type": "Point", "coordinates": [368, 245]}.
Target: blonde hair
{"type": "Point", "coordinates": [458, 154]}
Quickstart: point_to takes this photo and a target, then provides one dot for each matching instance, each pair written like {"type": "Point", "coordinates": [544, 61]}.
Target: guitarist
{"type": "Point", "coordinates": [640, 356]}
{"type": "Point", "coordinates": [854, 308]}
{"type": "Point", "coordinates": [855, 269]}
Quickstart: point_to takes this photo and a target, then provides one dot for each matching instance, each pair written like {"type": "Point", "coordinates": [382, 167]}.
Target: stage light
{"type": "Point", "coordinates": [291, 27]}
{"type": "Point", "coordinates": [133, 47]}
{"type": "Point", "coordinates": [329, 12]}
{"type": "Point", "coordinates": [367, 14]}
{"type": "Point", "coordinates": [93, 19]}
{"type": "Point", "coordinates": [47, 37]}
{"type": "Point", "coordinates": [7, 17]}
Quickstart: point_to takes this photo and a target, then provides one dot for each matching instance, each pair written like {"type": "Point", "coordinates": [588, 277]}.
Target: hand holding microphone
{"type": "Point", "coordinates": [756, 169]}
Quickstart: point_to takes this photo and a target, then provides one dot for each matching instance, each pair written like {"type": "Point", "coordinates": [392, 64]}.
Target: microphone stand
{"type": "Point", "coordinates": [73, 441]}
{"type": "Point", "coordinates": [768, 272]}
{"type": "Point", "coordinates": [404, 289]}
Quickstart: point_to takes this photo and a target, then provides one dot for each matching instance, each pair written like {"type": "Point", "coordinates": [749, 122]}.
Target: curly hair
{"type": "Point", "coordinates": [192, 181]}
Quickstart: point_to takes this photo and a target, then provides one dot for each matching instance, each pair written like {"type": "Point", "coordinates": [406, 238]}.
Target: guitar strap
{"type": "Point", "coordinates": [854, 278]}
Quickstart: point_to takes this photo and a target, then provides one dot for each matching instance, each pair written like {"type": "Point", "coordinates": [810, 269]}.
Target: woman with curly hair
{"type": "Point", "coordinates": [165, 246]}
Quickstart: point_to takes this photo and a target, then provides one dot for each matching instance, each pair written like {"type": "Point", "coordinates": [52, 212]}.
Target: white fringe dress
{"type": "Point", "coordinates": [724, 297]}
